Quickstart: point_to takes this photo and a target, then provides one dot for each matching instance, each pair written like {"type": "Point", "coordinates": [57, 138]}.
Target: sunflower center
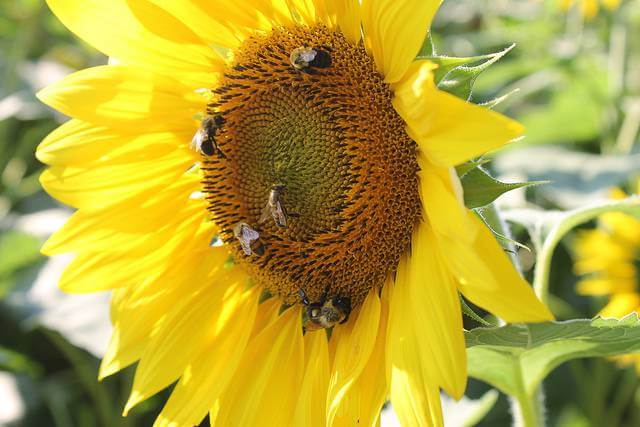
{"type": "Point", "coordinates": [314, 185]}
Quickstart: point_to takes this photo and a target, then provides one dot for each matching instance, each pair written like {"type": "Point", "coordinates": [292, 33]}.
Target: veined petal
{"type": "Point", "coordinates": [127, 98]}
{"type": "Point", "coordinates": [354, 343]}
{"type": "Point", "coordinates": [269, 376]}
{"type": "Point", "coordinates": [442, 204]}
{"type": "Point", "coordinates": [513, 299]}
{"type": "Point", "coordinates": [394, 31]}
{"type": "Point", "coordinates": [363, 402]}
{"type": "Point", "coordinates": [108, 185]}
{"type": "Point", "coordinates": [77, 143]}
{"type": "Point", "coordinates": [191, 324]}
{"type": "Point", "coordinates": [200, 17]}
{"type": "Point", "coordinates": [115, 229]}
{"type": "Point", "coordinates": [439, 323]}
{"type": "Point", "coordinates": [345, 15]}
{"type": "Point", "coordinates": [207, 376]}
{"type": "Point", "coordinates": [311, 409]}
{"type": "Point", "coordinates": [448, 130]}
{"type": "Point", "coordinates": [414, 392]}
{"type": "Point", "coordinates": [146, 36]}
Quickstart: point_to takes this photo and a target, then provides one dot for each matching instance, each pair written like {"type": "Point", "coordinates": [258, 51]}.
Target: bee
{"type": "Point", "coordinates": [305, 57]}
{"type": "Point", "coordinates": [247, 236]}
{"type": "Point", "coordinates": [275, 207]}
{"type": "Point", "coordinates": [325, 313]}
{"type": "Point", "coordinates": [204, 141]}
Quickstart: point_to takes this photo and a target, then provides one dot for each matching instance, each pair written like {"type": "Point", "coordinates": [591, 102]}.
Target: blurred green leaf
{"type": "Point", "coordinates": [516, 358]}
{"type": "Point", "coordinates": [14, 361]}
{"type": "Point", "coordinates": [17, 250]}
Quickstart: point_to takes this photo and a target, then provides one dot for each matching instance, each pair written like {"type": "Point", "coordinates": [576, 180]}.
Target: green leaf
{"type": "Point", "coordinates": [480, 188]}
{"type": "Point", "coordinates": [460, 79]}
{"type": "Point", "coordinates": [466, 167]}
{"type": "Point", "coordinates": [516, 358]}
{"type": "Point", "coordinates": [13, 361]}
{"type": "Point", "coordinates": [17, 250]}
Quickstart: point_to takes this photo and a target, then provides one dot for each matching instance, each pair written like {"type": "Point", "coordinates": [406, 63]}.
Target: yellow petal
{"type": "Point", "coordinates": [146, 36]}
{"type": "Point", "coordinates": [354, 343]}
{"type": "Point", "coordinates": [190, 325]}
{"type": "Point", "coordinates": [620, 305]}
{"type": "Point", "coordinates": [439, 325]}
{"type": "Point", "coordinates": [441, 204]}
{"type": "Point", "coordinates": [207, 376]}
{"type": "Point", "coordinates": [264, 390]}
{"type": "Point", "coordinates": [124, 97]}
{"type": "Point", "coordinates": [345, 15]}
{"type": "Point", "coordinates": [158, 217]}
{"type": "Point", "coordinates": [96, 188]}
{"type": "Point", "coordinates": [513, 299]}
{"type": "Point", "coordinates": [311, 409]}
{"type": "Point", "coordinates": [605, 286]}
{"type": "Point", "coordinates": [200, 17]}
{"type": "Point", "coordinates": [448, 130]}
{"type": "Point", "coordinates": [77, 143]}
{"type": "Point", "coordinates": [363, 401]}
{"type": "Point", "coordinates": [141, 312]}
{"type": "Point", "coordinates": [394, 31]}
{"type": "Point", "coordinates": [414, 392]}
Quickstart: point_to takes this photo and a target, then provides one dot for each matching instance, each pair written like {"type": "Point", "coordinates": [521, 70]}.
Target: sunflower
{"type": "Point", "coordinates": [590, 8]}
{"type": "Point", "coordinates": [609, 256]}
{"type": "Point", "coordinates": [299, 260]}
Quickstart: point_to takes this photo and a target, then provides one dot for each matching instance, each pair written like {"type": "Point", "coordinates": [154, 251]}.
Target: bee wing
{"type": "Point", "coordinates": [280, 215]}
{"type": "Point", "coordinates": [246, 247]}
{"type": "Point", "coordinates": [249, 234]}
{"type": "Point", "coordinates": [197, 140]}
{"type": "Point", "coordinates": [266, 213]}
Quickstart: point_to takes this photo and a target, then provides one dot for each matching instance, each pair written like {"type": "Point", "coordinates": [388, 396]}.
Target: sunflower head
{"type": "Point", "coordinates": [317, 184]}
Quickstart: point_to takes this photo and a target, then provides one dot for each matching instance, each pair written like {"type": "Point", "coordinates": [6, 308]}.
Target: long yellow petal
{"type": "Point", "coordinates": [354, 343]}
{"type": "Point", "coordinates": [448, 130]}
{"type": "Point", "coordinates": [343, 15]}
{"type": "Point", "coordinates": [146, 36]}
{"type": "Point", "coordinates": [95, 188]}
{"type": "Point", "coordinates": [513, 300]}
{"type": "Point", "coordinates": [265, 389]}
{"type": "Point", "coordinates": [363, 401]}
{"type": "Point", "coordinates": [189, 325]}
{"type": "Point", "coordinates": [439, 322]}
{"type": "Point", "coordinates": [200, 17]}
{"type": "Point", "coordinates": [78, 143]}
{"type": "Point", "coordinates": [159, 216]}
{"type": "Point", "coordinates": [394, 31]}
{"type": "Point", "coordinates": [414, 391]}
{"type": "Point", "coordinates": [311, 409]}
{"type": "Point", "coordinates": [124, 97]}
{"type": "Point", "coordinates": [208, 375]}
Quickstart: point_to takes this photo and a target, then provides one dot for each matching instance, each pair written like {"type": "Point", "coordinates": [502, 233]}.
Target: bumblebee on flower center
{"type": "Point", "coordinates": [314, 163]}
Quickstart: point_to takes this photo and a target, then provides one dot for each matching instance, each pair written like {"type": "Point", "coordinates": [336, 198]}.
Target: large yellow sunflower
{"type": "Point", "coordinates": [590, 8]}
{"type": "Point", "coordinates": [609, 256]}
{"type": "Point", "coordinates": [319, 190]}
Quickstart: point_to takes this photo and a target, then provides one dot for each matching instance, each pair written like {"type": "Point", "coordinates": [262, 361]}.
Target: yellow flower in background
{"type": "Point", "coordinates": [590, 8]}
{"type": "Point", "coordinates": [318, 191]}
{"type": "Point", "coordinates": [609, 256]}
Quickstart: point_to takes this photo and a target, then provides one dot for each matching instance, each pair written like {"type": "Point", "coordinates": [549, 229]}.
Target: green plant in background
{"type": "Point", "coordinates": [570, 81]}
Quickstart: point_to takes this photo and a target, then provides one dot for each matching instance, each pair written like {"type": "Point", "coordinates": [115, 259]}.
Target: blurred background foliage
{"type": "Point", "coordinates": [574, 83]}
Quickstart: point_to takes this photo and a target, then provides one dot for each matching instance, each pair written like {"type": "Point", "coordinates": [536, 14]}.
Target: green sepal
{"type": "Point", "coordinates": [480, 188]}
{"type": "Point", "coordinates": [458, 79]}
{"type": "Point", "coordinates": [466, 167]}
{"type": "Point", "coordinates": [482, 214]}
{"type": "Point", "coordinates": [468, 311]}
